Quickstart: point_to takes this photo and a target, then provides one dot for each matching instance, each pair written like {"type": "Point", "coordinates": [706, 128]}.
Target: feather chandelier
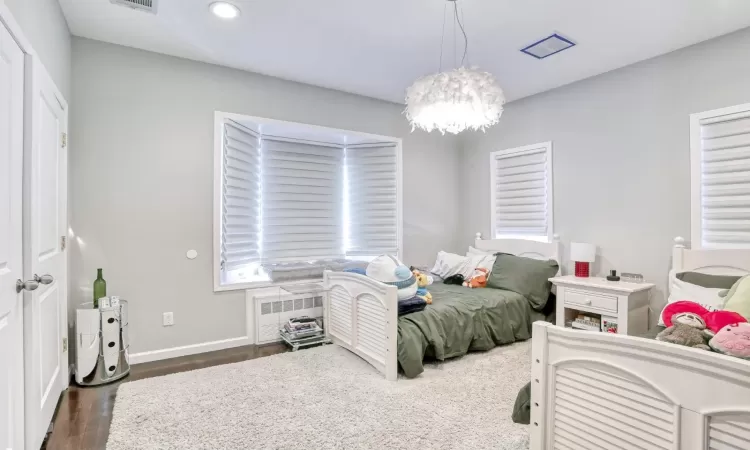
{"type": "Point", "coordinates": [455, 100]}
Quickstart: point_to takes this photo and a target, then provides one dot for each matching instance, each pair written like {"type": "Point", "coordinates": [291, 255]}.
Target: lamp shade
{"type": "Point", "coordinates": [582, 252]}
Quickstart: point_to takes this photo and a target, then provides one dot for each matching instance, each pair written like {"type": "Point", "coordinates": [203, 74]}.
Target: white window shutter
{"type": "Point", "coordinates": [521, 193]}
{"type": "Point", "coordinates": [372, 174]}
{"type": "Point", "coordinates": [240, 210]}
{"type": "Point", "coordinates": [302, 201]}
{"type": "Point", "coordinates": [721, 177]}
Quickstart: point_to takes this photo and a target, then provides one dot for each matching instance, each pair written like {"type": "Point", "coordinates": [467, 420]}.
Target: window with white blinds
{"type": "Point", "coordinates": [240, 203]}
{"type": "Point", "coordinates": [521, 192]}
{"type": "Point", "coordinates": [720, 160]}
{"type": "Point", "coordinates": [302, 202]}
{"type": "Point", "coordinates": [372, 172]}
{"type": "Point", "coordinates": [294, 193]}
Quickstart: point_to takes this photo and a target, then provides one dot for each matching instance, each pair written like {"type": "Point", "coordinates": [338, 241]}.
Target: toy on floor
{"type": "Point", "coordinates": [733, 340]}
{"type": "Point", "coordinates": [389, 270]}
{"type": "Point", "coordinates": [688, 329]}
{"type": "Point", "coordinates": [423, 281]}
{"type": "Point", "coordinates": [478, 278]}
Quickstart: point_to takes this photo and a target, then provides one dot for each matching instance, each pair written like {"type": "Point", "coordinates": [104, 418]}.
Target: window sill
{"type": "Point", "coordinates": [263, 284]}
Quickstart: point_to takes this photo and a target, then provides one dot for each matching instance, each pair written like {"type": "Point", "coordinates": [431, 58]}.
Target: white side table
{"type": "Point", "coordinates": [626, 303]}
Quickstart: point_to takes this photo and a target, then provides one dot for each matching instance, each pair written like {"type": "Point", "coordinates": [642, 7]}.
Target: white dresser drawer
{"type": "Point", "coordinates": [587, 299]}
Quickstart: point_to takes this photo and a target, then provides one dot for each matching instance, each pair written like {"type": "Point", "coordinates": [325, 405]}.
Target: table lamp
{"type": "Point", "coordinates": [583, 255]}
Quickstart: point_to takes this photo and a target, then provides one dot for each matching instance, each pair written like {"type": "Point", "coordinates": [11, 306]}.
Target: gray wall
{"type": "Point", "coordinates": [141, 169]}
{"type": "Point", "coordinates": [621, 152]}
{"type": "Point", "coordinates": [44, 25]}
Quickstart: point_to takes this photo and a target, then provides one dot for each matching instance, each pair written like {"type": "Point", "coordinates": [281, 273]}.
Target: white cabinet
{"type": "Point", "coordinates": [624, 304]}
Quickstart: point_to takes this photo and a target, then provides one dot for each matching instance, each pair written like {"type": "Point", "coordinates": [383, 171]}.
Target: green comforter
{"type": "Point", "coordinates": [462, 320]}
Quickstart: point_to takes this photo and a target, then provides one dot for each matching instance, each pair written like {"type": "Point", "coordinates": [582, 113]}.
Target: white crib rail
{"type": "Point", "coordinates": [601, 390]}
{"type": "Point", "coordinates": [362, 316]}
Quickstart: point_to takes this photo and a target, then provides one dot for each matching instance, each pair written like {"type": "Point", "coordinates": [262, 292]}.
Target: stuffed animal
{"type": "Point", "coordinates": [456, 279]}
{"type": "Point", "coordinates": [422, 282]}
{"type": "Point", "coordinates": [687, 329]}
{"type": "Point", "coordinates": [714, 320]}
{"type": "Point", "coordinates": [389, 270]}
{"type": "Point", "coordinates": [733, 340]}
{"type": "Point", "coordinates": [478, 278]}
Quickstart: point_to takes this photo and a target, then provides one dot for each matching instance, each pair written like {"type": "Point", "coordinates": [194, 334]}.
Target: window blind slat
{"type": "Point", "coordinates": [241, 197]}
{"type": "Point", "coordinates": [725, 180]}
{"type": "Point", "coordinates": [521, 185]}
{"type": "Point", "coordinates": [373, 201]}
{"type": "Point", "coordinates": [302, 198]}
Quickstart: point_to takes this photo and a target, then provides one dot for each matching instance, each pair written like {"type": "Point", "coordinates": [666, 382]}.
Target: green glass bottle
{"type": "Point", "coordinates": [100, 288]}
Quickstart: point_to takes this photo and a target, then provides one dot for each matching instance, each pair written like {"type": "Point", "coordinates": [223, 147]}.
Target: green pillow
{"type": "Point", "coordinates": [526, 276]}
{"type": "Point", "coordinates": [738, 298]}
{"type": "Point", "coordinates": [708, 281]}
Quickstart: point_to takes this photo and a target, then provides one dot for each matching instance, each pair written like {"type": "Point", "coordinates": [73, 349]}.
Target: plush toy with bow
{"type": "Point", "coordinates": [478, 278]}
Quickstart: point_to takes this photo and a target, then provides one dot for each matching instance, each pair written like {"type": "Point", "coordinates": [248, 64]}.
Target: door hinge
{"type": "Point", "coordinates": [64, 140]}
{"type": "Point", "coordinates": [63, 243]}
{"type": "Point", "coordinates": [65, 345]}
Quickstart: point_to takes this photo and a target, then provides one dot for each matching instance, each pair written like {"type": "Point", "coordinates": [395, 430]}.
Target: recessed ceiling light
{"type": "Point", "coordinates": [225, 10]}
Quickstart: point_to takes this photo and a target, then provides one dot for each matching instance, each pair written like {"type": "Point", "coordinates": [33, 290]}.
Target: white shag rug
{"type": "Point", "coordinates": [327, 398]}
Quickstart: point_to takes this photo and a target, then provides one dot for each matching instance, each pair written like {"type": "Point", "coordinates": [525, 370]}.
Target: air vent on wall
{"type": "Point", "coordinates": [142, 5]}
{"type": "Point", "coordinates": [548, 46]}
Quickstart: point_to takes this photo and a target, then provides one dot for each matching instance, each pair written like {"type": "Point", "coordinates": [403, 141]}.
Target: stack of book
{"type": "Point", "coordinates": [584, 322]}
{"type": "Point", "coordinates": [301, 327]}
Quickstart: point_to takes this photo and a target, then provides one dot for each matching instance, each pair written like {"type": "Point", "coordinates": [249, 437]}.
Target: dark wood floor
{"type": "Point", "coordinates": [84, 413]}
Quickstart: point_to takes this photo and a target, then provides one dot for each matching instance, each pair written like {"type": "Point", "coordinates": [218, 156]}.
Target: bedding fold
{"type": "Point", "coordinates": [462, 320]}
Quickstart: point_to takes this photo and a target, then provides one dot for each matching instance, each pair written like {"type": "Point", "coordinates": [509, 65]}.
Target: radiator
{"type": "Point", "coordinates": [273, 310]}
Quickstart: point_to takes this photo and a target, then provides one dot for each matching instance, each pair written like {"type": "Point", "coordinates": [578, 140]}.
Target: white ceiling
{"type": "Point", "coordinates": [378, 47]}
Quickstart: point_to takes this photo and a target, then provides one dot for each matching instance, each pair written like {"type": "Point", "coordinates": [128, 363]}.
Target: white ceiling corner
{"type": "Point", "coordinates": [377, 48]}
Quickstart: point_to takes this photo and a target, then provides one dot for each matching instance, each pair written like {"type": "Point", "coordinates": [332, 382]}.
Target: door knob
{"type": "Point", "coordinates": [44, 279]}
{"type": "Point", "coordinates": [30, 285]}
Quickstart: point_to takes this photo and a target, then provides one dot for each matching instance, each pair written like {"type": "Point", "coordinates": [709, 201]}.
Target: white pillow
{"type": "Point", "coordinates": [485, 263]}
{"type": "Point", "coordinates": [474, 261]}
{"type": "Point", "coordinates": [680, 290]}
{"type": "Point", "coordinates": [448, 264]}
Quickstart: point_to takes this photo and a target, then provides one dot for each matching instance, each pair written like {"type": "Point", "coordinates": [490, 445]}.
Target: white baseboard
{"type": "Point", "coordinates": [174, 352]}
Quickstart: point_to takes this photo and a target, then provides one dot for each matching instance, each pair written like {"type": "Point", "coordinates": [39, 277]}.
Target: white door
{"type": "Point", "coordinates": [11, 269]}
{"type": "Point", "coordinates": [45, 218]}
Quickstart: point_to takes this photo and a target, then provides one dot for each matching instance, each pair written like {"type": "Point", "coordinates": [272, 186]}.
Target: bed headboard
{"type": "Point", "coordinates": [522, 247]}
{"type": "Point", "coordinates": [711, 261]}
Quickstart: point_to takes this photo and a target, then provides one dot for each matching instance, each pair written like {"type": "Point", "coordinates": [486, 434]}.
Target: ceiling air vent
{"type": "Point", "coordinates": [142, 5]}
{"type": "Point", "coordinates": [548, 46]}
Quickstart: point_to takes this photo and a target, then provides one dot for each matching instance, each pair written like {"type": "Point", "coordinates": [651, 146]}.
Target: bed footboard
{"type": "Point", "coordinates": [601, 390]}
{"type": "Point", "coordinates": [361, 315]}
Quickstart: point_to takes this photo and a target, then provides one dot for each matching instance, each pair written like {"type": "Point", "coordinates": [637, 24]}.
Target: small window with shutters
{"type": "Point", "coordinates": [291, 196]}
{"type": "Point", "coordinates": [720, 178]}
{"type": "Point", "coordinates": [521, 193]}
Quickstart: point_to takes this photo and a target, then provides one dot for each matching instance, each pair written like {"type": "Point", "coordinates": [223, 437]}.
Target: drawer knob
{"type": "Point", "coordinates": [586, 301]}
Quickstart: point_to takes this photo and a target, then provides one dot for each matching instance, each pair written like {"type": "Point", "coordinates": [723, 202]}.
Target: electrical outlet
{"type": "Point", "coordinates": [168, 319]}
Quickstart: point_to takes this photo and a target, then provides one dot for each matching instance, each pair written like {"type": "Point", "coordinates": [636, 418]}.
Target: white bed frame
{"type": "Point", "coordinates": [361, 314]}
{"type": "Point", "coordinates": [598, 390]}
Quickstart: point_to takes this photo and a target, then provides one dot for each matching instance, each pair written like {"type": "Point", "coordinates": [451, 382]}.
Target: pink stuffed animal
{"type": "Point", "coordinates": [733, 340]}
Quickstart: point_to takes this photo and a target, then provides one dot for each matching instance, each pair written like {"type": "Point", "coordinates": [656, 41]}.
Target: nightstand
{"type": "Point", "coordinates": [619, 302]}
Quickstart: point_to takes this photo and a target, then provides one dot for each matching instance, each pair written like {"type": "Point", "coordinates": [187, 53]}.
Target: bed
{"type": "Point", "coordinates": [362, 315]}
{"type": "Point", "coordinates": [600, 390]}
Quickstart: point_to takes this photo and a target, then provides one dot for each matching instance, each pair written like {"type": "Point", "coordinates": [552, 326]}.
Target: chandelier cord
{"type": "Point", "coordinates": [466, 39]}
{"type": "Point", "coordinates": [468, 58]}
{"type": "Point", "coordinates": [455, 57]}
{"type": "Point", "coordinates": [442, 38]}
